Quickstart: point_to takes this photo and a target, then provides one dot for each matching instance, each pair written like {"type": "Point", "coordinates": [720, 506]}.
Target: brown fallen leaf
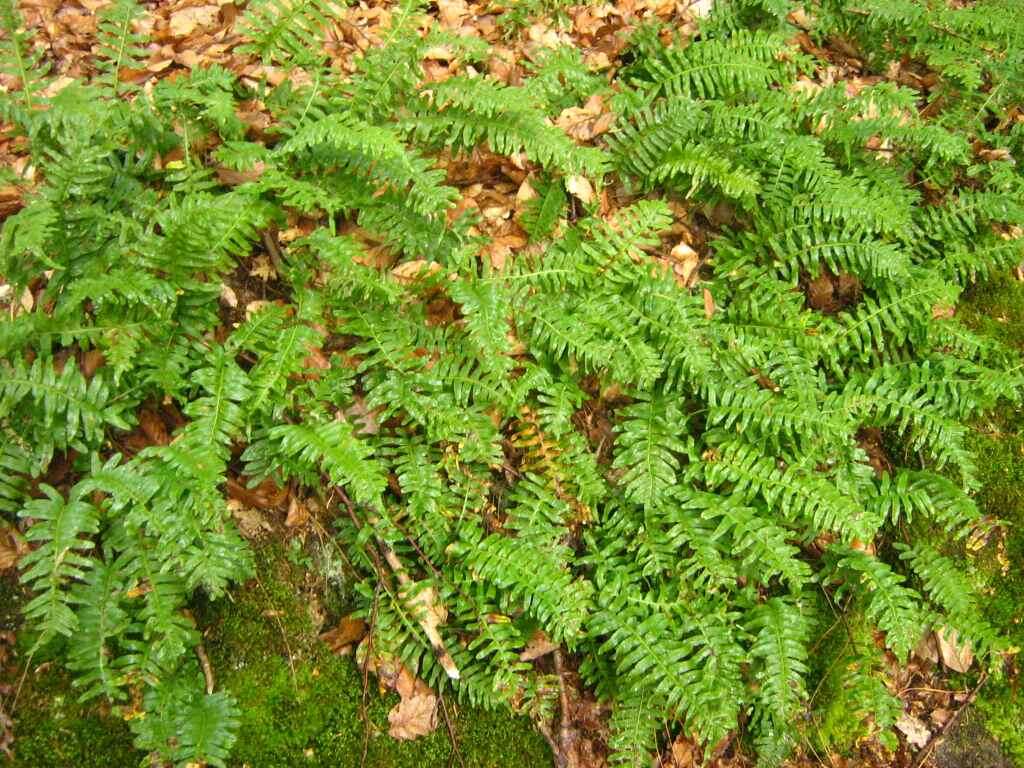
{"type": "Point", "coordinates": [262, 268]}
{"type": "Point", "coordinates": [580, 187]}
{"type": "Point", "coordinates": [709, 304]}
{"type": "Point", "coordinates": [914, 729]}
{"type": "Point", "coordinates": [586, 122]}
{"type": "Point", "coordinates": [956, 655]}
{"type": "Point", "coordinates": [12, 547]}
{"type": "Point", "coordinates": [408, 271]}
{"type": "Point", "coordinates": [298, 513]}
{"type": "Point", "coordinates": [185, 21]}
{"type": "Point", "coordinates": [350, 630]}
{"type": "Point", "coordinates": [685, 263]}
{"type": "Point", "coordinates": [413, 717]}
{"type": "Point", "coordinates": [540, 645]}
{"type": "Point", "coordinates": [251, 523]}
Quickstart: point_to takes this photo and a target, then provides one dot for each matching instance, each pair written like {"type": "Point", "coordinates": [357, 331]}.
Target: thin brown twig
{"type": "Point", "coordinates": [566, 755]}
{"type": "Point", "coordinates": [366, 673]}
{"type": "Point", "coordinates": [204, 662]}
{"type": "Point", "coordinates": [936, 737]}
{"type": "Point", "coordinates": [456, 750]}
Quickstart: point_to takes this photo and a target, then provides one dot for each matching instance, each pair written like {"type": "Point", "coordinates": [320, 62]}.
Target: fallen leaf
{"type": "Point", "coordinates": [709, 304]}
{"type": "Point", "coordinates": [430, 612]}
{"type": "Point", "coordinates": [298, 513]}
{"type": "Point", "coordinates": [683, 753]}
{"type": "Point", "coordinates": [701, 8]}
{"type": "Point", "coordinates": [408, 271]}
{"type": "Point", "coordinates": [586, 122]}
{"type": "Point", "coordinates": [956, 655]}
{"type": "Point", "coordinates": [251, 523]}
{"type": "Point", "coordinates": [580, 187]}
{"type": "Point", "coordinates": [686, 263]}
{"type": "Point", "coordinates": [228, 296]}
{"type": "Point", "coordinates": [185, 21]}
{"type": "Point", "coordinates": [413, 716]}
{"type": "Point", "coordinates": [916, 732]}
{"type": "Point", "coordinates": [262, 268]}
{"type": "Point", "coordinates": [540, 645]}
{"type": "Point", "coordinates": [927, 649]}
{"type": "Point", "coordinates": [350, 630]}
{"type": "Point", "coordinates": [12, 547]}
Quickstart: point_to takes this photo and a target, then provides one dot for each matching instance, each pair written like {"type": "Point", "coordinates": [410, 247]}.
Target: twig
{"type": "Point", "coordinates": [437, 645]}
{"type": "Point", "coordinates": [456, 751]}
{"type": "Point", "coordinates": [270, 244]}
{"type": "Point", "coordinates": [204, 662]}
{"type": "Point", "coordinates": [938, 735]}
{"type": "Point", "coordinates": [366, 672]}
{"type": "Point", "coordinates": [566, 756]}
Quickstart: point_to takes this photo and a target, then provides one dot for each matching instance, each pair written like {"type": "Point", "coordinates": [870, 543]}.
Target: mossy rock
{"type": "Point", "coordinates": [304, 706]}
{"type": "Point", "coordinates": [300, 704]}
{"type": "Point", "coordinates": [997, 310]}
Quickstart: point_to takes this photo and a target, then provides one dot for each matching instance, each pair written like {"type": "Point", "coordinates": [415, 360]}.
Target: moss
{"type": "Point", "coordinates": [51, 728]}
{"type": "Point", "coordinates": [843, 654]}
{"type": "Point", "coordinates": [997, 310]}
{"type": "Point", "coordinates": [302, 705]}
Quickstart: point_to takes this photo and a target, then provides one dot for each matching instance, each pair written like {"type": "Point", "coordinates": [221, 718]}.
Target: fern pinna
{"type": "Point", "coordinates": [663, 475]}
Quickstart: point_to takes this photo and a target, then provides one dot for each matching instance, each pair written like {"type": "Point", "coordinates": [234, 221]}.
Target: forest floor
{"type": "Point", "coordinates": [304, 705]}
{"type": "Point", "coordinates": [304, 701]}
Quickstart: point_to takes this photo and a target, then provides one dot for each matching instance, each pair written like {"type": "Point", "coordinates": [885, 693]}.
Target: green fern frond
{"type": "Point", "coordinates": [287, 31]}
{"type": "Point", "coordinates": [61, 526]}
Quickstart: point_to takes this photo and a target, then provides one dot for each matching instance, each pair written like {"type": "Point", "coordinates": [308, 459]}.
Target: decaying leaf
{"type": "Point", "coordinates": [580, 187]}
{"type": "Point", "coordinates": [251, 522]}
{"type": "Point", "coordinates": [957, 655]}
{"type": "Point", "coordinates": [540, 645]}
{"type": "Point", "coordinates": [413, 716]}
{"type": "Point", "coordinates": [298, 513]}
{"type": "Point", "coordinates": [408, 271]}
{"type": "Point", "coordinates": [914, 729]}
{"type": "Point", "coordinates": [350, 630]}
{"type": "Point", "coordinates": [430, 612]}
{"type": "Point", "coordinates": [12, 547]}
{"type": "Point", "coordinates": [709, 304]}
{"type": "Point", "coordinates": [185, 21]}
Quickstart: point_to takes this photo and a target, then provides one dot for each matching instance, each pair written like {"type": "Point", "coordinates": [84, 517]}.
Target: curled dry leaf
{"type": "Point", "coordinates": [586, 122]}
{"type": "Point", "coordinates": [12, 547]}
{"type": "Point", "coordinates": [350, 630]}
{"type": "Point", "coordinates": [580, 187]}
{"type": "Point", "coordinates": [430, 611]}
{"type": "Point", "coordinates": [228, 297]}
{"type": "Point", "coordinates": [709, 304]}
{"type": "Point", "coordinates": [408, 271]}
{"type": "Point", "coordinates": [685, 262]}
{"type": "Point", "coordinates": [414, 716]}
{"type": "Point", "coordinates": [298, 513]}
{"type": "Point", "coordinates": [540, 645]}
{"type": "Point", "coordinates": [957, 655]}
{"type": "Point", "coordinates": [251, 523]}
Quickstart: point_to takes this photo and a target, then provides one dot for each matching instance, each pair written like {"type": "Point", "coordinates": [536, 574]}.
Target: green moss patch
{"type": "Point", "coordinates": [997, 309]}
{"type": "Point", "coordinates": [304, 706]}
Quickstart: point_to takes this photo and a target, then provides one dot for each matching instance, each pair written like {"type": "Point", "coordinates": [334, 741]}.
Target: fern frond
{"type": "Point", "coordinates": [287, 31]}
{"type": "Point", "coordinates": [60, 559]}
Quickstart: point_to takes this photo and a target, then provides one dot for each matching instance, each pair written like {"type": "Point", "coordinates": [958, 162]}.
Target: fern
{"type": "Point", "coordinates": [59, 560]}
{"type": "Point", "coordinates": [281, 31]}
{"type": "Point", "coordinates": [120, 46]}
{"type": "Point", "coordinates": [649, 456]}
